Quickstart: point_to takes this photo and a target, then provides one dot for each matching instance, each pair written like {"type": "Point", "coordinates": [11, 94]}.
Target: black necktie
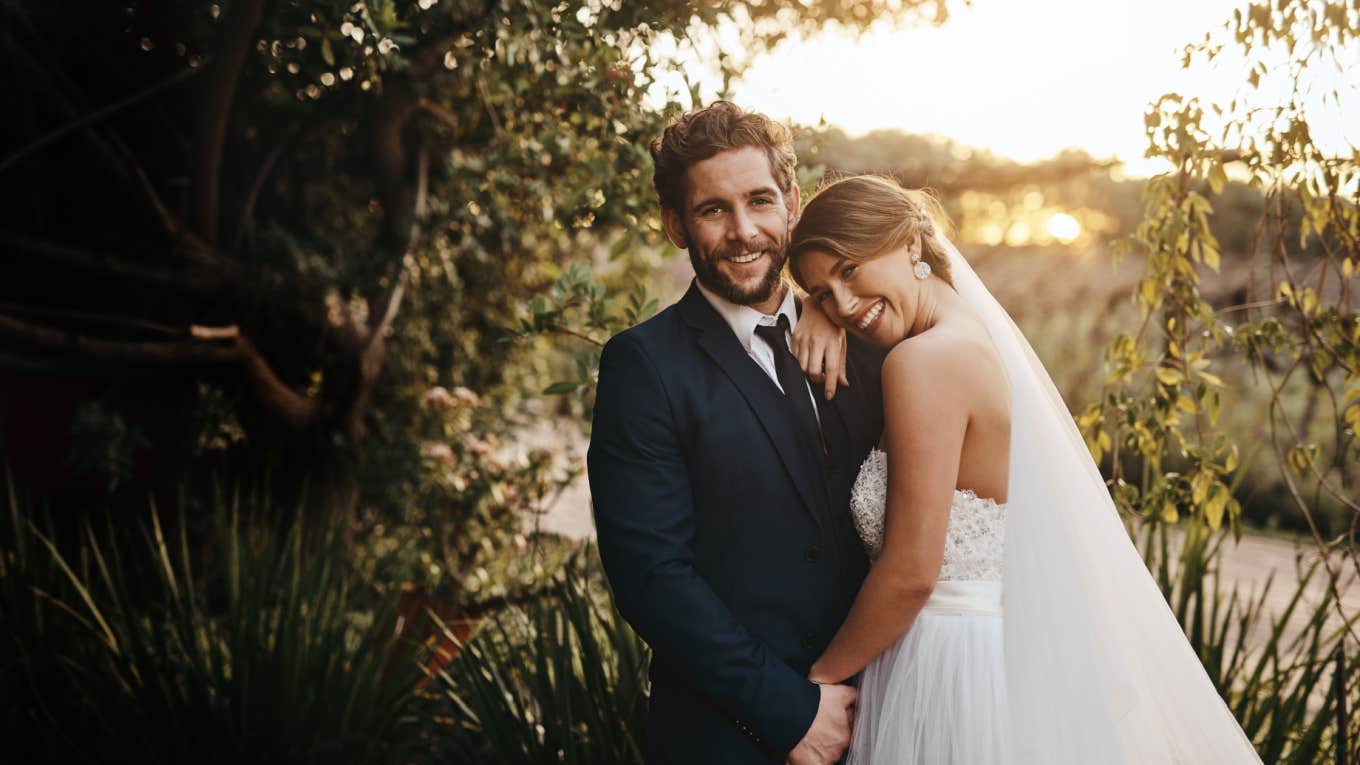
{"type": "Point", "coordinates": [791, 380]}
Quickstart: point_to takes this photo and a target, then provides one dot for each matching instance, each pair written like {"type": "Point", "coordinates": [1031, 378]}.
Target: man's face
{"type": "Point", "coordinates": [735, 224]}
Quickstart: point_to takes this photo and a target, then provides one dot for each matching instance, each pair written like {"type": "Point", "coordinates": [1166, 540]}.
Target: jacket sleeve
{"type": "Point", "coordinates": [644, 517]}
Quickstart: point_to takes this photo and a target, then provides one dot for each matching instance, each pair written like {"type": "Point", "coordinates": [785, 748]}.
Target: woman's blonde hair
{"type": "Point", "coordinates": [860, 217]}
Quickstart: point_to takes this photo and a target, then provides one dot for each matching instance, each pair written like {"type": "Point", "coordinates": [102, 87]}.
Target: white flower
{"type": "Point", "coordinates": [438, 396]}
{"type": "Point", "coordinates": [466, 397]}
{"type": "Point", "coordinates": [438, 452]}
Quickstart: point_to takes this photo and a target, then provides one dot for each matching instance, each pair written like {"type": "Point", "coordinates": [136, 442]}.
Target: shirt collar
{"type": "Point", "coordinates": [744, 319]}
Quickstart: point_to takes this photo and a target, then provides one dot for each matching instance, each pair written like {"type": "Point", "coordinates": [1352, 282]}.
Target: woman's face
{"type": "Point", "coordinates": [873, 299]}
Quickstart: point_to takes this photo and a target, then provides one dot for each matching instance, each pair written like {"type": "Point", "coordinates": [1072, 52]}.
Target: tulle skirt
{"type": "Point", "coordinates": [938, 695]}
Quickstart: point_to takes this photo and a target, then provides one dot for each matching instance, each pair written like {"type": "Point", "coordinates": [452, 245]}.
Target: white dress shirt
{"type": "Point", "coordinates": [744, 319]}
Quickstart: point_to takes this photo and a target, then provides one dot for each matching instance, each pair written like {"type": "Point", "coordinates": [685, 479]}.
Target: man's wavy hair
{"type": "Point", "coordinates": [721, 126]}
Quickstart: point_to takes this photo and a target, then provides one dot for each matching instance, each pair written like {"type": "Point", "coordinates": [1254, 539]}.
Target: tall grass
{"type": "Point", "coordinates": [143, 646]}
{"type": "Point", "coordinates": [1278, 671]}
{"type": "Point", "coordinates": [563, 680]}
{"type": "Point", "coordinates": [259, 645]}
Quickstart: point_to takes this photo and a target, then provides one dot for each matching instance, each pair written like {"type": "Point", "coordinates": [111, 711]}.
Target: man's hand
{"type": "Point", "coordinates": [829, 735]}
{"type": "Point", "coordinates": [819, 345]}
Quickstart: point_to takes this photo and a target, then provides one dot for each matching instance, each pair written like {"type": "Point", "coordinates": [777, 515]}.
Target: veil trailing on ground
{"type": "Point", "coordinates": [1097, 667]}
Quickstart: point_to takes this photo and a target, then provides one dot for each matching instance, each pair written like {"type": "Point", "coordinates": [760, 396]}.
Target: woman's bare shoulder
{"type": "Point", "coordinates": [941, 355]}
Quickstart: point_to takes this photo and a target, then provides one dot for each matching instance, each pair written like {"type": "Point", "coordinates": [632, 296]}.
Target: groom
{"type": "Point", "coordinates": [720, 481]}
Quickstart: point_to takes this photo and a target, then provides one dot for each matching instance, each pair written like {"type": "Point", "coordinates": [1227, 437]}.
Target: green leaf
{"type": "Point", "coordinates": [1199, 488]}
{"type": "Point", "coordinates": [1352, 418]}
{"type": "Point", "coordinates": [1210, 255]}
{"type": "Point", "coordinates": [558, 388]}
{"type": "Point", "coordinates": [1218, 502]}
{"type": "Point", "coordinates": [1301, 457]}
{"type": "Point", "coordinates": [1217, 178]}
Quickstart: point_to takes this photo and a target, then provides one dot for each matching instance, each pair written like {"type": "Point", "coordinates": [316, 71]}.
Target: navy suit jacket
{"type": "Point", "coordinates": [725, 535]}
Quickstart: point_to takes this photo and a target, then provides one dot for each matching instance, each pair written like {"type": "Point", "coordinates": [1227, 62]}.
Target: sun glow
{"type": "Point", "coordinates": [1025, 80]}
{"type": "Point", "coordinates": [1064, 228]}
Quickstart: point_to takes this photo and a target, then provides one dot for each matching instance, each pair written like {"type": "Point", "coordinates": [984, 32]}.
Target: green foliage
{"type": "Point", "coordinates": [320, 210]}
{"type": "Point", "coordinates": [1298, 333]}
{"type": "Point", "coordinates": [137, 645]}
{"type": "Point", "coordinates": [1291, 342]}
{"type": "Point", "coordinates": [465, 494]}
{"type": "Point", "coordinates": [582, 308]}
{"type": "Point", "coordinates": [104, 445]}
{"type": "Point", "coordinates": [563, 680]}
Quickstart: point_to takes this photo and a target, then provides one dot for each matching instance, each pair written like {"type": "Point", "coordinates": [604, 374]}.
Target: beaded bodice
{"type": "Point", "coordinates": [974, 545]}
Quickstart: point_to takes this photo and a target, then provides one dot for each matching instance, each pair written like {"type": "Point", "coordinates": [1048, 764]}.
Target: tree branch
{"type": "Point", "coordinates": [564, 329]}
{"type": "Point", "coordinates": [403, 202]}
{"type": "Point", "coordinates": [199, 282]}
{"type": "Point", "coordinates": [373, 353]}
{"type": "Point", "coordinates": [443, 115]}
{"type": "Point", "coordinates": [37, 366]}
{"type": "Point", "coordinates": [395, 191]}
{"type": "Point", "coordinates": [94, 318]}
{"type": "Point", "coordinates": [422, 198]}
{"type": "Point", "coordinates": [95, 116]}
{"type": "Point", "coordinates": [143, 351]}
{"type": "Point", "coordinates": [247, 225]}
{"type": "Point", "coordinates": [207, 346]}
{"type": "Point", "coordinates": [112, 149]}
{"type": "Point", "coordinates": [242, 20]}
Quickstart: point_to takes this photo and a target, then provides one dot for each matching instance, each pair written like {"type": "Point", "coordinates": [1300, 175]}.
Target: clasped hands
{"type": "Point", "coordinates": [829, 735]}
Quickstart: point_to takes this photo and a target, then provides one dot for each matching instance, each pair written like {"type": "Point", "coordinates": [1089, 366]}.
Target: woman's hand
{"type": "Point", "coordinates": [819, 346]}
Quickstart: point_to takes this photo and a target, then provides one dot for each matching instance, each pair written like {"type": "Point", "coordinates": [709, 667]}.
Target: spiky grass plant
{"type": "Point", "coordinates": [1285, 675]}
{"type": "Point", "coordinates": [256, 645]}
{"type": "Point", "coordinates": [563, 680]}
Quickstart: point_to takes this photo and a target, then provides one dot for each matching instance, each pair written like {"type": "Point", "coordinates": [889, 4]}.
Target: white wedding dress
{"type": "Point", "coordinates": [1046, 640]}
{"type": "Point", "coordinates": [938, 695]}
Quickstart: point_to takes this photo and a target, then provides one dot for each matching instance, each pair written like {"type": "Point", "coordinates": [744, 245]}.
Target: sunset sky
{"type": "Point", "coordinates": [1024, 79]}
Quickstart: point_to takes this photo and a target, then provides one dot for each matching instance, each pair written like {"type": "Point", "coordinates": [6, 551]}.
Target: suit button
{"type": "Point", "coordinates": [808, 643]}
{"type": "Point", "coordinates": [813, 552]}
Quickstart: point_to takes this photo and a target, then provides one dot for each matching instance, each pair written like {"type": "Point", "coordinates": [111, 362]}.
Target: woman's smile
{"type": "Point", "coordinates": [870, 317]}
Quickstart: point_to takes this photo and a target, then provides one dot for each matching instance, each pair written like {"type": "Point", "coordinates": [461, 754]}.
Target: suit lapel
{"type": "Point", "coordinates": [716, 339]}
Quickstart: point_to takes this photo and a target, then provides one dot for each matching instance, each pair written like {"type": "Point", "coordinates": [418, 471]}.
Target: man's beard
{"type": "Point", "coordinates": [712, 277]}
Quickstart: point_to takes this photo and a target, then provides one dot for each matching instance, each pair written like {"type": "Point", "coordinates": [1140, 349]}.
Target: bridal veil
{"type": "Point", "coordinates": [1098, 668]}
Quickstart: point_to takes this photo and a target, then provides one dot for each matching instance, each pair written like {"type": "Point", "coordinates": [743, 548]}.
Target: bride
{"type": "Point", "coordinates": [1007, 617]}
